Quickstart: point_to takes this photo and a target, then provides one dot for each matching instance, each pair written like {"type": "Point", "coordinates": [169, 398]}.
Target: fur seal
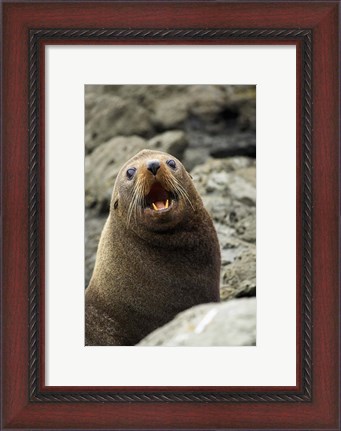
{"type": "Point", "coordinates": [158, 253]}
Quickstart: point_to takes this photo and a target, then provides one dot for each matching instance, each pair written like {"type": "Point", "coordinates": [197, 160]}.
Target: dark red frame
{"type": "Point", "coordinates": [322, 410]}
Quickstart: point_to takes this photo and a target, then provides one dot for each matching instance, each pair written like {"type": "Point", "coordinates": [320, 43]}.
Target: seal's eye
{"type": "Point", "coordinates": [131, 173]}
{"type": "Point", "coordinates": [171, 164]}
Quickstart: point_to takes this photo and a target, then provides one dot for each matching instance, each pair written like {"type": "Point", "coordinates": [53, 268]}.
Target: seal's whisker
{"type": "Point", "coordinates": [133, 203]}
{"type": "Point", "coordinates": [180, 190]}
{"type": "Point", "coordinates": [139, 198]}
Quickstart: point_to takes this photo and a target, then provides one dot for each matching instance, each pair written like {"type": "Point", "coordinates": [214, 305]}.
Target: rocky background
{"type": "Point", "coordinates": [212, 130]}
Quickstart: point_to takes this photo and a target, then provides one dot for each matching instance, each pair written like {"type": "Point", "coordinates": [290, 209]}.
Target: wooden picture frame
{"type": "Point", "coordinates": [26, 401]}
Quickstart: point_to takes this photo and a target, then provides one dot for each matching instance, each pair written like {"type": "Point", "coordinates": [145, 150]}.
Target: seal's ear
{"type": "Point", "coordinates": [116, 204]}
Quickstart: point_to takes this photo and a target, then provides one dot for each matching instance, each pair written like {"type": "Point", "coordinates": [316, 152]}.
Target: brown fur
{"type": "Point", "coordinates": [150, 267]}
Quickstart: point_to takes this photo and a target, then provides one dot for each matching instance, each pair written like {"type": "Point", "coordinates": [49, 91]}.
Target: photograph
{"type": "Point", "coordinates": [170, 215]}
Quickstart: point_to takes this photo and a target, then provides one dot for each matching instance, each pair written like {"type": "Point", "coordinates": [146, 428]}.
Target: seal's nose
{"type": "Point", "coordinates": [153, 166]}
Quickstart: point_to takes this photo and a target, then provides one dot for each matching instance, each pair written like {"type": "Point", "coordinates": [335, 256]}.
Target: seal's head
{"type": "Point", "coordinates": [153, 191]}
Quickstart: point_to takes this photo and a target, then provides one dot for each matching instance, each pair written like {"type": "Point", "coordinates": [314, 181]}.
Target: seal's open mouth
{"type": "Point", "coordinates": [158, 198]}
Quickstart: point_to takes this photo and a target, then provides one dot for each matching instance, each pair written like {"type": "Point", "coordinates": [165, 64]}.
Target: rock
{"type": "Point", "coordinates": [219, 118]}
{"type": "Point", "coordinates": [246, 228]}
{"type": "Point", "coordinates": [170, 113]}
{"type": "Point", "coordinates": [242, 98]}
{"type": "Point", "coordinates": [194, 157]}
{"type": "Point", "coordinates": [112, 116]}
{"type": "Point", "coordinates": [247, 116]}
{"type": "Point", "coordinates": [241, 189]}
{"type": "Point", "coordinates": [90, 101]}
{"type": "Point", "coordinates": [102, 166]}
{"type": "Point", "coordinates": [227, 187]}
{"type": "Point", "coordinates": [239, 277]}
{"type": "Point", "coordinates": [232, 247]}
{"type": "Point", "coordinates": [201, 173]}
{"type": "Point", "coordinates": [173, 142]}
{"type": "Point", "coordinates": [227, 178]}
{"type": "Point", "coordinates": [148, 95]}
{"type": "Point", "coordinates": [228, 292]}
{"type": "Point", "coordinates": [229, 324]}
{"type": "Point", "coordinates": [206, 102]}
{"type": "Point", "coordinates": [236, 144]}
{"type": "Point", "coordinates": [217, 182]}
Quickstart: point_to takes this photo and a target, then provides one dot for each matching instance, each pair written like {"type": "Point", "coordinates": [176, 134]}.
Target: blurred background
{"type": "Point", "coordinates": [212, 130]}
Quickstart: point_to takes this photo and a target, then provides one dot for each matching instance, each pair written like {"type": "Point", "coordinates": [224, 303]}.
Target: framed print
{"type": "Point", "coordinates": [166, 156]}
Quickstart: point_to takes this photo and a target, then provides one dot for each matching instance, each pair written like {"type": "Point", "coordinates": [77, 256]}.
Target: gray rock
{"type": "Point", "coordinates": [194, 157]}
{"type": "Point", "coordinates": [112, 116]}
{"type": "Point", "coordinates": [232, 247]}
{"type": "Point", "coordinates": [148, 95]}
{"type": "Point", "coordinates": [246, 228]}
{"type": "Point", "coordinates": [219, 118]}
{"type": "Point", "coordinates": [228, 292]}
{"type": "Point", "coordinates": [229, 324]}
{"type": "Point", "coordinates": [239, 277]}
{"type": "Point", "coordinates": [206, 101]}
{"type": "Point", "coordinates": [234, 144]}
{"type": "Point", "coordinates": [241, 189]}
{"type": "Point", "coordinates": [102, 166]}
{"type": "Point", "coordinates": [242, 99]}
{"type": "Point", "coordinates": [201, 173]}
{"type": "Point", "coordinates": [228, 190]}
{"type": "Point", "coordinates": [90, 101]}
{"type": "Point", "coordinates": [234, 178]}
{"type": "Point", "coordinates": [218, 182]}
{"type": "Point", "coordinates": [173, 142]}
{"type": "Point", "coordinates": [170, 113]}
{"type": "Point", "coordinates": [247, 115]}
